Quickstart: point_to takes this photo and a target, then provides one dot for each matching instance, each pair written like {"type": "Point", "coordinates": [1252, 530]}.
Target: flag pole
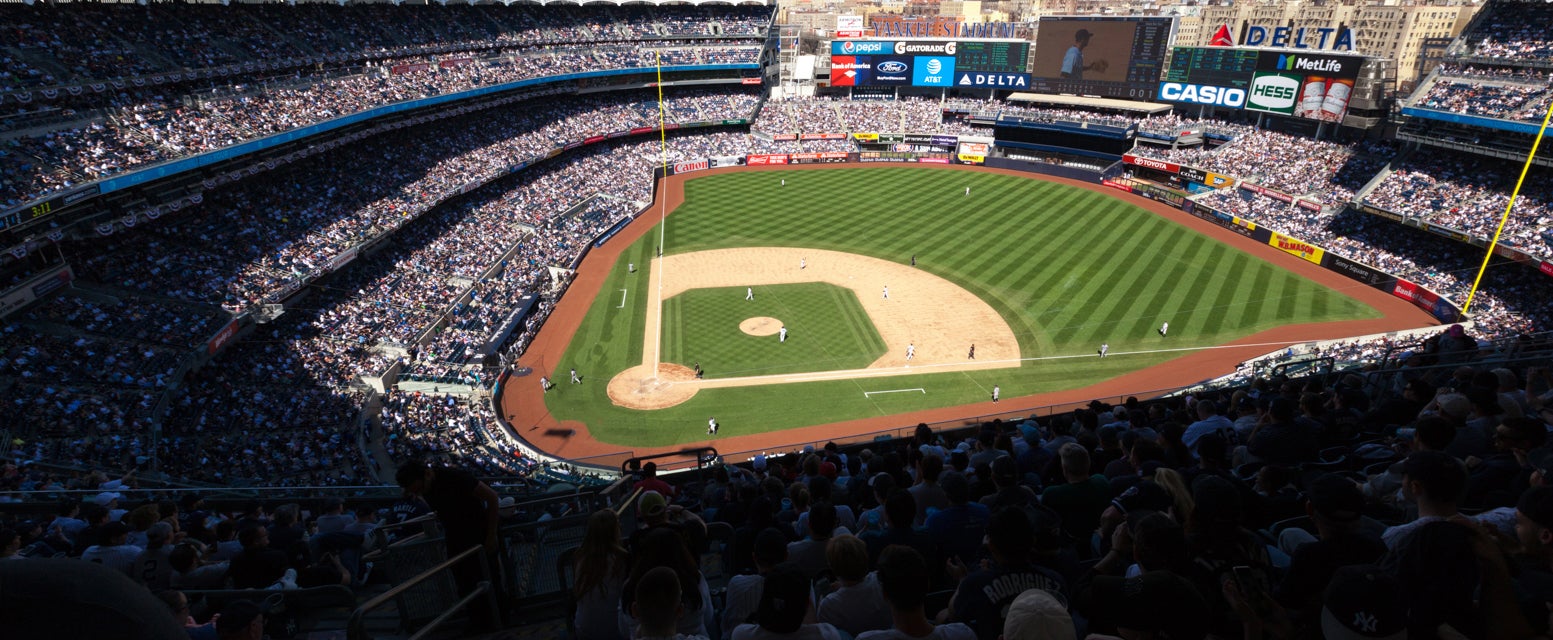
{"type": "Point", "coordinates": [663, 209]}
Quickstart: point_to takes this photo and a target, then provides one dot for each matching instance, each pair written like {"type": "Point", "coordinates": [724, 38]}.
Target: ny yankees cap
{"type": "Point", "coordinates": [1364, 603]}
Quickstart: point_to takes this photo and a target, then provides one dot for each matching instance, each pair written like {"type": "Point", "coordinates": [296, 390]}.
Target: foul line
{"type": "Point", "coordinates": [622, 299]}
{"type": "Point", "coordinates": [869, 393]}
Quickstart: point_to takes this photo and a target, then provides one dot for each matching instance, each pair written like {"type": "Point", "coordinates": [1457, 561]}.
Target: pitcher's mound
{"type": "Point", "coordinates": [761, 326]}
{"type": "Point", "coordinates": [638, 388]}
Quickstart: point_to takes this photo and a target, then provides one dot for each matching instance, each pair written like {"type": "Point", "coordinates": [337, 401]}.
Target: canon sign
{"type": "Point", "coordinates": [1203, 94]}
{"type": "Point", "coordinates": [905, 48]}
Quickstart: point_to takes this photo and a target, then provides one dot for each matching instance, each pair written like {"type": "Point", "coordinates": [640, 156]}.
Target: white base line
{"type": "Point", "coordinates": [870, 393]}
{"type": "Point", "coordinates": [622, 299]}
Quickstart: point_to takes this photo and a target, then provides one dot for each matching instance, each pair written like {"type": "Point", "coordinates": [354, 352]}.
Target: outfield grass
{"type": "Point", "coordinates": [1067, 269]}
{"type": "Point", "coordinates": [827, 330]}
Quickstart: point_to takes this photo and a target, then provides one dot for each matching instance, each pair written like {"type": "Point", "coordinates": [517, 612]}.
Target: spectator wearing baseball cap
{"type": "Point", "coordinates": [1009, 493]}
{"type": "Point", "coordinates": [1037, 615]}
{"type": "Point", "coordinates": [1334, 505]}
{"type": "Point", "coordinates": [241, 620]}
{"type": "Point", "coordinates": [1363, 603]}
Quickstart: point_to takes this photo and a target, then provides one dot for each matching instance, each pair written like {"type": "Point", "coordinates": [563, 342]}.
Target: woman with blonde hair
{"type": "Point", "coordinates": [599, 568]}
{"type": "Point", "coordinates": [1180, 496]}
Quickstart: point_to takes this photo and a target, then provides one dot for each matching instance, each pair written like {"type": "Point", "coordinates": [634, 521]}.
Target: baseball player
{"type": "Point", "coordinates": [783, 333]}
{"type": "Point", "coordinates": [913, 259]}
{"type": "Point", "coordinates": [749, 293]}
{"type": "Point", "coordinates": [911, 351]}
{"type": "Point", "coordinates": [803, 264]}
{"type": "Point", "coordinates": [544, 384]}
{"type": "Point", "coordinates": [886, 292]}
{"type": "Point", "coordinates": [972, 354]}
{"type": "Point", "coordinates": [784, 182]}
{"type": "Point", "coordinates": [1104, 347]}
{"type": "Point", "coordinates": [995, 392]}
{"type": "Point", "coordinates": [575, 379]}
{"type": "Point", "coordinates": [1163, 329]}
{"type": "Point", "coordinates": [967, 191]}
{"type": "Point", "coordinates": [711, 426]}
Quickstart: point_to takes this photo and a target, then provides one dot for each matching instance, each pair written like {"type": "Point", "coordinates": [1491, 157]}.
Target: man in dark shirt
{"type": "Point", "coordinates": [1334, 504]}
{"type": "Point", "coordinates": [469, 511]}
{"type": "Point", "coordinates": [258, 566]}
{"type": "Point", "coordinates": [1283, 440]}
{"type": "Point", "coordinates": [984, 595]}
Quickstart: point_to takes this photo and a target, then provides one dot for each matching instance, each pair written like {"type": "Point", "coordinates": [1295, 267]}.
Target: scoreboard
{"type": "Point", "coordinates": [992, 56]}
{"type": "Point", "coordinates": [1212, 66]}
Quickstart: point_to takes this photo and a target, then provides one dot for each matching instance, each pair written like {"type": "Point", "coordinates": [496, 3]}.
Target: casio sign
{"type": "Point", "coordinates": [1202, 94]}
{"type": "Point", "coordinates": [1274, 93]}
{"type": "Point", "coordinates": [892, 66]}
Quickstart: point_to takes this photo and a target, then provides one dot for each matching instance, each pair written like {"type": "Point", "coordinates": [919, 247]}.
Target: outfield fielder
{"type": "Point", "coordinates": [995, 392]}
{"type": "Point", "coordinates": [1104, 348]}
{"type": "Point", "coordinates": [575, 379]}
{"type": "Point", "coordinates": [1163, 329]}
{"type": "Point", "coordinates": [749, 293]}
{"type": "Point", "coordinates": [544, 383]}
{"type": "Point", "coordinates": [911, 351]}
{"type": "Point", "coordinates": [967, 191]}
{"type": "Point", "coordinates": [711, 426]}
{"type": "Point", "coordinates": [783, 332]}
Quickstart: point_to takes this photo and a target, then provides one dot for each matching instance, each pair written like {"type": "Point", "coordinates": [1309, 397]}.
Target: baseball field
{"type": "Point", "coordinates": [1036, 274]}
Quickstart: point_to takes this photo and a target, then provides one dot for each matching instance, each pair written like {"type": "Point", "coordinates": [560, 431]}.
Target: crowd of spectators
{"type": "Point", "coordinates": [450, 430]}
{"type": "Point", "coordinates": [158, 125]}
{"type": "Point", "coordinates": [1488, 98]}
{"type": "Point", "coordinates": [1513, 31]}
{"type": "Point", "coordinates": [1332, 506]}
{"type": "Point", "coordinates": [1469, 193]}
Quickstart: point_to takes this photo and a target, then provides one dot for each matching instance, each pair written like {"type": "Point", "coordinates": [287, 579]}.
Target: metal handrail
{"type": "Point", "coordinates": [356, 630]}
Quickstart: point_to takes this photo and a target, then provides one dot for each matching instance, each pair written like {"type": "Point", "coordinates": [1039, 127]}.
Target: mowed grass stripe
{"type": "Point", "coordinates": [1166, 271]}
{"type": "Point", "coordinates": [1220, 307]}
{"type": "Point", "coordinates": [1115, 299]}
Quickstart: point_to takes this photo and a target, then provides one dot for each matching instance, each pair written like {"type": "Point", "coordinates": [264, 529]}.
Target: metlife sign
{"type": "Point", "coordinates": [861, 47]}
{"type": "Point", "coordinates": [1274, 92]}
{"type": "Point", "coordinates": [1202, 94]}
{"type": "Point", "coordinates": [992, 80]}
{"type": "Point", "coordinates": [933, 71]}
{"type": "Point", "coordinates": [1310, 64]}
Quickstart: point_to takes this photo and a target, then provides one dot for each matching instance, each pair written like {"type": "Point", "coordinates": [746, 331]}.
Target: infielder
{"type": "Point", "coordinates": [886, 292]}
{"type": "Point", "coordinates": [711, 426]}
{"type": "Point", "coordinates": [783, 333]}
{"type": "Point", "coordinates": [1163, 329]}
{"type": "Point", "coordinates": [544, 384]}
{"type": "Point", "coordinates": [1103, 349]}
{"type": "Point", "coordinates": [913, 259]}
{"type": "Point", "coordinates": [995, 391]}
{"type": "Point", "coordinates": [575, 379]}
{"type": "Point", "coordinates": [803, 264]}
{"type": "Point", "coordinates": [749, 293]}
{"type": "Point", "coordinates": [911, 351]}
{"type": "Point", "coordinates": [972, 354]}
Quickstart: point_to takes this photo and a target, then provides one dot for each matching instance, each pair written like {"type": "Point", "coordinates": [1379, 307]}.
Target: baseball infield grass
{"type": "Point", "coordinates": [1067, 268]}
{"type": "Point", "coordinates": [702, 326]}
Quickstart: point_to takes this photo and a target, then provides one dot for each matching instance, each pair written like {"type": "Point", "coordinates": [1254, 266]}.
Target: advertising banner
{"type": "Point", "coordinates": [727, 161]}
{"type": "Point", "coordinates": [827, 156]}
{"type": "Point", "coordinates": [1305, 85]}
{"type": "Point", "coordinates": [971, 158]}
{"type": "Point", "coordinates": [865, 137]}
{"type": "Point", "coordinates": [766, 158]}
{"type": "Point", "coordinates": [750, 81]}
{"type": "Point", "coordinates": [1547, 268]}
{"type": "Point", "coordinates": [1150, 163]}
{"type": "Point", "coordinates": [980, 80]}
{"type": "Point", "coordinates": [641, 130]}
{"type": "Point", "coordinates": [929, 71]}
{"type": "Point", "coordinates": [823, 136]}
{"type": "Point", "coordinates": [785, 137]}
{"type": "Point", "coordinates": [346, 257]}
{"type": "Point", "coordinates": [687, 167]}
{"type": "Point", "coordinates": [1295, 246]}
{"type": "Point", "coordinates": [592, 139]}
{"type": "Point", "coordinates": [1202, 94]}
{"type": "Point", "coordinates": [1308, 205]}
{"type": "Point", "coordinates": [1116, 185]}
{"type": "Point", "coordinates": [934, 159]}
{"type": "Point", "coordinates": [851, 71]}
{"type": "Point", "coordinates": [37, 287]}
{"type": "Point", "coordinates": [849, 26]}
{"type": "Point", "coordinates": [945, 141]}
{"type": "Point", "coordinates": [454, 62]}
{"type": "Point", "coordinates": [1193, 174]}
{"type": "Point", "coordinates": [861, 48]}
{"type": "Point", "coordinates": [401, 69]}
{"type": "Point", "coordinates": [221, 338]}
{"type": "Point", "coordinates": [886, 156]}
{"type": "Point", "coordinates": [1449, 233]}
{"type": "Point", "coordinates": [1358, 271]}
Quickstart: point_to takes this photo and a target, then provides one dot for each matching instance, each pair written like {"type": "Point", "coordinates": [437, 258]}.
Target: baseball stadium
{"type": "Point", "coordinates": [739, 320]}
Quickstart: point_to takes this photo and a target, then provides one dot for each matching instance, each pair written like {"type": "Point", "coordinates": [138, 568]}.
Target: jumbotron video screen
{"type": "Point", "coordinates": [1101, 56]}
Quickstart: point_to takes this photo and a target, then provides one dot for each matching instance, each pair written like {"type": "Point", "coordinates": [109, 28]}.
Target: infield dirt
{"type": "Point", "coordinates": [940, 318]}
